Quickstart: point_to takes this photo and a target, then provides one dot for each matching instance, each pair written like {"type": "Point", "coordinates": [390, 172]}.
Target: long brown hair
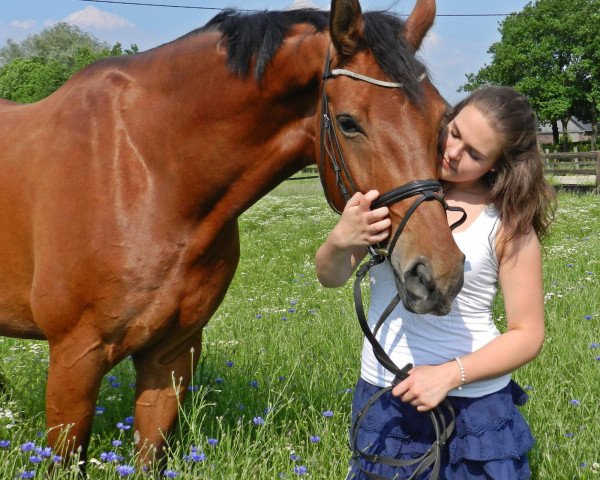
{"type": "Point", "coordinates": [518, 187]}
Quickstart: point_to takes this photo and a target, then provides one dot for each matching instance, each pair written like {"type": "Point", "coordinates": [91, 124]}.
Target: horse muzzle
{"type": "Point", "coordinates": [422, 291]}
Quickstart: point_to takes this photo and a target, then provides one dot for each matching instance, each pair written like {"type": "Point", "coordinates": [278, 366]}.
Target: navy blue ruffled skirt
{"type": "Point", "coordinates": [490, 441]}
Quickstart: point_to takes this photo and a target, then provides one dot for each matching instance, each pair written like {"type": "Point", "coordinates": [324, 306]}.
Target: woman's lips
{"type": "Point", "coordinates": [444, 164]}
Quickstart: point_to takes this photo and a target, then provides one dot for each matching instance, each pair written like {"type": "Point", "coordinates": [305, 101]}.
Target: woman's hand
{"type": "Point", "coordinates": [344, 248]}
{"type": "Point", "coordinates": [428, 385]}
{"type": "Point", "coordinates": [359, 226]}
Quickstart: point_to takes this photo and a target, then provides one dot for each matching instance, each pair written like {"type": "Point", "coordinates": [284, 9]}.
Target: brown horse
{"type": "Point", "coordinates": [120, 192]}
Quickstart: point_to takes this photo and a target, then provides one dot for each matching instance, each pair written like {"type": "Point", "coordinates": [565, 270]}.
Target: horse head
{"type": "Point", "coordinates": [379, 120]}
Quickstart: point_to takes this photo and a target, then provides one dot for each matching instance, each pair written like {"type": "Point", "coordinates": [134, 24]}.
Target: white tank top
{"type": "Point", "coordinates": [430, 339]}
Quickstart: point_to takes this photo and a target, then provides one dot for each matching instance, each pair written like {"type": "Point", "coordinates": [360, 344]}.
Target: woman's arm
{"type": "Point", "coordinates": [344, 248]}
{"type": "Point", "coordinates": [520, 276]}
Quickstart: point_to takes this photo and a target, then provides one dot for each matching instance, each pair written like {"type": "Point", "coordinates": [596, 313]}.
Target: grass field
{"type": "Point", "coordinates": [271, 398]}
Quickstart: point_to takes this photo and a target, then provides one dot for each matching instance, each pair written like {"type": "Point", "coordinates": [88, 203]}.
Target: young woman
{"type": "Point", "coordinates": [490, 165]}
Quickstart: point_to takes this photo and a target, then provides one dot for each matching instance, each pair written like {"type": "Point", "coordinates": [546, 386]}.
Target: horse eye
{"type": "Point", "coordinates": [348, 125]}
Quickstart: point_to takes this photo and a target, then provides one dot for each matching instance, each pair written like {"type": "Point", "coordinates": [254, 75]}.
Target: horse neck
{"type": "Point", "coordinates": [229, 139]}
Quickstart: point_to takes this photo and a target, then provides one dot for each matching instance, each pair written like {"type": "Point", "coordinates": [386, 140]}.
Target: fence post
{"type": "Point", "coordinates": [598, 170]}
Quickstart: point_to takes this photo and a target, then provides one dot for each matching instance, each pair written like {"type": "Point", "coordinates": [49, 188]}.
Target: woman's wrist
{"type": "Point", "coordinates": [461, 371]}
{"type": "Point", "coordinates": [455, 377]}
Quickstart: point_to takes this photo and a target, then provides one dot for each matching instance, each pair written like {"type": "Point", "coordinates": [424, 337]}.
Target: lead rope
{"type": "Point", "coordinates": [429, 190]}
{"type": "Point", "coordinates": [433, 456]}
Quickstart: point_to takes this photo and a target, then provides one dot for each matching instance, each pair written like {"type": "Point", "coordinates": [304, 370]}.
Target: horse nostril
{"type": "Point", "coordinates": [418, 280]}
{"type": "Point", "coordinates": [423, 273]}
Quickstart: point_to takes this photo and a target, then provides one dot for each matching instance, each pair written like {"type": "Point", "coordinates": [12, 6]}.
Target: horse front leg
{"type": "Point", "coordinates": [77, 365]}
{"type": "Point", "coordinates": [163, 377]}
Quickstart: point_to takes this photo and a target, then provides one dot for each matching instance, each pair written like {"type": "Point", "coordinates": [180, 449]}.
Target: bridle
{"type": "Point", "coordinates": [424, 190]}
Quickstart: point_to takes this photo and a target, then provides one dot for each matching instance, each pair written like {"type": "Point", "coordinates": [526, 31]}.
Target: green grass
{"type": "Point", "coordinates": [285, 349]}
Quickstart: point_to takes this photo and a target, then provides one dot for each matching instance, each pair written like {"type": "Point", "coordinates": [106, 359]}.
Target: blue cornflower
{"type": "Point", "coordinates": [259, 316]}
{"type": "Point", "coordinates": [293, 302]}
{"type": "Point", "coordinates": [253, 383]}
{"type": "Point", "coordinates": [281, 378]}
{"type": "Point", "coordinates": [111, 378]}
{"type": "Point", "coordinates": [594, 345]}
{"type": "Point", "coordinates": [122, 426]}
{"type": "Point", "coordinates": [284, 318]}
{"type": "Point", "coordinates": [258, 421]}
{"type": "Point", "coordinates": [588, 317]}
{"type": "Point", "coordinates": [100, 410]}
{"type": "Point", "coordinates": [194, 456]}
{"type": "Point", "coordinates": [212, 441]}
{"type": "Point", "coordinates": [575, 402]}
{"type": "Point", "coordinates": [129, 420]}
{"type": "Point", "coordinates": [57, 459]}
{"type": "Point", "coordinates": [4, 443]}
{"type": "Point", "coordinates": [27, 474]}
{"type": "Point", "coordinates": [292, 310]}
{"type": "Point", "coordinates": [28, 447]}
{"type": "Point", "coordinates": [219, 380]}
{"type": "Point", "coordinates": [110, 457]}
{"type": "Point", "coordinates": [315, 438]}
{"type": "Point", "coordinates": [570, 265]}
{"type": "Point", "coordinates": [598, 358]}
{"type": "Point", "coordinates": [328, 414]}
{"type": "Point", "coordinates": [193, 388]}
{"type": "Point", "coordinates": [117, 443]}
{"type": "Point", "coordinates": [294, 457]}
{"type": "Point", "coordinates": [35, 459]}
{"type": "Point", "coordinates": [229, 363]}
{"type": "Point", "coordinates": [170, 473]}
{"type": "Point", "coordinates": [125, 470]}
{"type": "Point", "coordinates": [300, 470]}
{"type": "Point", "coordinates": [569, 435]}
{"type": "Point", "coordinates": [43, 452]}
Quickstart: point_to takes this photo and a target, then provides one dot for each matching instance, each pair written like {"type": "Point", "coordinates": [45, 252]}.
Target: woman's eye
{"type": "Point", "coordinates": [348, 126]}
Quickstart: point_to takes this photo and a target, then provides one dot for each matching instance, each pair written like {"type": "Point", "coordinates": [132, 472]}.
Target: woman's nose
{"type": "Point", "coordinates": [454, 151]}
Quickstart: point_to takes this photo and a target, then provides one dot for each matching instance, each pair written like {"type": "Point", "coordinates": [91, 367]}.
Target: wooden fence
{"type": "Point", "coordinates": [579, 170]}
{"type": "Point", "coordinates": [574, 168]}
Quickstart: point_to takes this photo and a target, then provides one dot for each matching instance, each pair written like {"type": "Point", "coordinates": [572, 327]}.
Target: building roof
{"type": "Point", "coordinates": [574, 126]}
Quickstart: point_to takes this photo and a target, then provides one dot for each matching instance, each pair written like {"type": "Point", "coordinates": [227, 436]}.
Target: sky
{"type": "Point", "coordinates": [455, 46]}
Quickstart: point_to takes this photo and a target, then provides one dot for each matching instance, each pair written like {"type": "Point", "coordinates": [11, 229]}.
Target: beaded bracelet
{"type": "Point", "coordinates": [463, 378]}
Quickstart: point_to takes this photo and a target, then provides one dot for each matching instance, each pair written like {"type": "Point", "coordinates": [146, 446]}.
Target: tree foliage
{"type": "Point", "coordinates": [36, 67]}
{"type": "Point", "coordinates": [550, 51]}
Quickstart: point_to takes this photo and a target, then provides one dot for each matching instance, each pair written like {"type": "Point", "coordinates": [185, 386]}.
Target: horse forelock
{"type": "Point", "coordinates": [383, 34]}
{"type": "Point", "coordinates": [259, 36]}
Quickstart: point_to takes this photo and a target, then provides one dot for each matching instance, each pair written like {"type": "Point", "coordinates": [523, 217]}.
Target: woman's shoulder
{"type": "Point", "coordinates": [523, 245]}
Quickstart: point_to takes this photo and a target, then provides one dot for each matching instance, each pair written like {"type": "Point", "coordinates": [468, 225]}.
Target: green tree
{"type": "Point", "coordinates": [31, 79]}
{"type": "Point", "coordinates": [59, 42]}
{"type": "Point", "coordinates": [36, 67]}
{"type": "Point", "coordinates": [545, 53]}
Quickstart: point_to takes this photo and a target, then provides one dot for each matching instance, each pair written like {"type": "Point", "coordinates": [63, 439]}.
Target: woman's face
{"type": "Point", "coordinates": [469, 147]}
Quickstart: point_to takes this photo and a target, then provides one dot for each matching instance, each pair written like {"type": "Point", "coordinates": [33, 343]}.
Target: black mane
{"type": "Point", "coordinates": [260, 35]}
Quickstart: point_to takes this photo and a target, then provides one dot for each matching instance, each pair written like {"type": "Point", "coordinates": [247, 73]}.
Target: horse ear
{"type": "Point", "coordinates": [345, 26]}
{"type": "Point", "coordinates": [419, 22]}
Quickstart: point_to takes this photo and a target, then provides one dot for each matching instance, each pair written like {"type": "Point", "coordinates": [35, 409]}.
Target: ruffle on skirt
{"type": "Point", "coordinates": [491, 437]}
